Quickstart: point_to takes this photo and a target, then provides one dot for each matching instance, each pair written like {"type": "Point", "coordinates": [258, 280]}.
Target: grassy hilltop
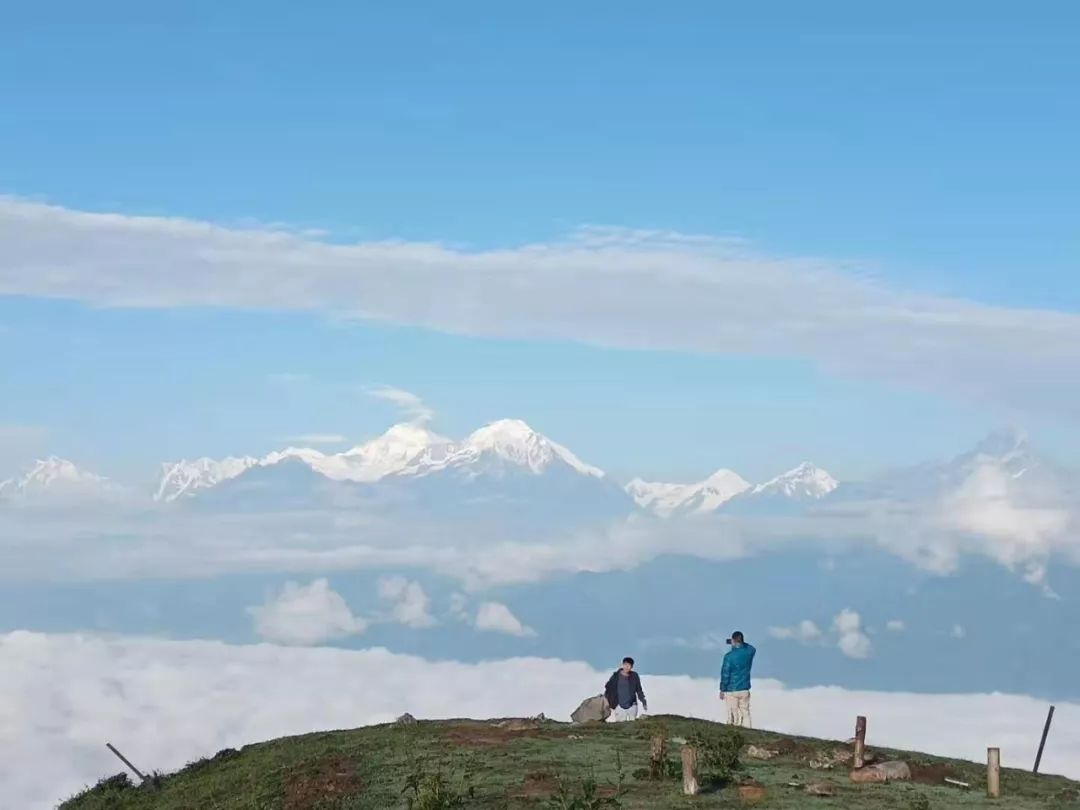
{"type": "Point", "coordinates": [543, 764]}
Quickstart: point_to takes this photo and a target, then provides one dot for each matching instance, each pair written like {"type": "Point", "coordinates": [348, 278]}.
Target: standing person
{"type": "Point", "coordinates": [735, 680]}
{"type": "Point", "coordinates": [623, 691]}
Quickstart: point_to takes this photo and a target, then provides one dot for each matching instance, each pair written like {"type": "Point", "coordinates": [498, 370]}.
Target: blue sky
{"type": "Point", "coordinates": [931, 147]}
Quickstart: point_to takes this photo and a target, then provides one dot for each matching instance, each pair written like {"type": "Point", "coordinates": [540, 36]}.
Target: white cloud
{"type": "Point", "coordinates": [633, 289]}
{"type": "Point", "coordinates": [805, 632]}
{"type": "Point", "coordinates": [853, 642]}
{"type": "Point", "coordinates": [1018, 533]}
{"type": "Point", "coordinates": [165, 703]}
{"type": "Point", "coordinates": [496, 617]}
{"type": "Point", "coordinates": [896, 626]}
{"type": "Point", "coordinates": [305, 615]}
{"type": "Point", "coordinates": [317, 438]}
{"type": "Point", "coordinates": [409, 403]}
{"type": "Point", "coordinates": [848, 633]}
{"type": "Point", "coordinates": [411, 605]}
{"type": "Point", "coordinates": [958, 631]}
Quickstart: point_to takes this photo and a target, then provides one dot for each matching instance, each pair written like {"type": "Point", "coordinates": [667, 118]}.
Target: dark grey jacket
{"type": "Point", "coordinates": [611, 689]}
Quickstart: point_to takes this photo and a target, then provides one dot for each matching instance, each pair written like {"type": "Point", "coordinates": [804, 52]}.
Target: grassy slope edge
{"type": "Point", "coordinates": [518, 764]}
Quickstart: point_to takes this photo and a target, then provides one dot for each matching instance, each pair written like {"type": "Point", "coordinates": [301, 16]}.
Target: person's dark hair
{"type": "Point", "coordinates": [737, 636]}
{"type": "Point", "coordinates": [628, 660]}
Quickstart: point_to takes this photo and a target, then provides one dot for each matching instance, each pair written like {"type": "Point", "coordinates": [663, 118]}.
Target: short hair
{"type": "Point", "coordinates": [737, 636]}
{"type": "Point", "coordinates": [628, 660]}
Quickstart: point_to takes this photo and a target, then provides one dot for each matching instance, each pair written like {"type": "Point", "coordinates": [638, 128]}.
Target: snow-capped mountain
{"type": "Point", "coordinates": [181, 478]}
{"type": "Point", "coordinates": [504, 473]}
{"type": "Point", "coordinates": [57, 480]}
{"type": "Point", "coordinates": [805, 482]}
{"type": "Point", "coordinates": [505, 445]}
{"type": "Point", "coordinates": [724, 489]}
{"type": "Point", "coordinates": [704, 496]}
{"type": "Point", "coordinates": [401, 446]}
{"type": "Point", "coordinates": [1005, 451]}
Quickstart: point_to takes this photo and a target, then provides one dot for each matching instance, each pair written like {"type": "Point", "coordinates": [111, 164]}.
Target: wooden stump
{"type": "Point", "coordinates": [657, 756]}
{"type": "Point", "coordinates": [993, 772]}
{"type": "Point", "coordinates": [860, 742]}
{"type": "Point", "coordinates": [690, 785]}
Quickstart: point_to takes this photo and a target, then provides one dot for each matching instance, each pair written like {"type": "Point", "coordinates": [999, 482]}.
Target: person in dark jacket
{"type": "Point", "coordinates": [623, 691]}
{"type": "Point", "coordinates": [735, 680]}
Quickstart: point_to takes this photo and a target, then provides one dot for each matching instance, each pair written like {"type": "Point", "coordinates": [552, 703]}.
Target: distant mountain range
{"type": "Point", "coordinates": [508, 470]}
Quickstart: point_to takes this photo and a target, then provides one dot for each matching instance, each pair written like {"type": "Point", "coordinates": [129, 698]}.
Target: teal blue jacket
{"type": "Point", "coordinates": [735, 674]}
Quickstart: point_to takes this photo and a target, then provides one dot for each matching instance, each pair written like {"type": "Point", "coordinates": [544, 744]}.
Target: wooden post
{"type": "Point", "coordinates": [993, 772]}
{"type": "Point", "coordinates": [689, 771]}
{"type": "Point", "coordinates": [657, 756]}
{"type": "Point", "coordinates": [860, 742]}
{"type": "Point", "coordinates": [123, 759]}
{"type": "Point", "coordinates": [1042, 742]}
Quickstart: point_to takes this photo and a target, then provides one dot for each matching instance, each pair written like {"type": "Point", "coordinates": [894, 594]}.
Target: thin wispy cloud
{"type": "Point", "coordinates": [805, 632]}
{"type": "Point", "coordinates": [611, 287]}
{"type": "Point", "coordinates": [407, 402]}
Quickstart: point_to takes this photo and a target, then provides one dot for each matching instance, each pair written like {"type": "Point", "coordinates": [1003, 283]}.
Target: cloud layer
{"type": "Point", "coordinates": [165, 703]}
{"type": "Point", "coordinates": [610, 287]}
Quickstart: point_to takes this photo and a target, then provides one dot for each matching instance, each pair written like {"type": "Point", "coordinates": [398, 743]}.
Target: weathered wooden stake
{"type": "Point", "coordinates": [993, 772]}
{"type": "Point", "coordinates": [657, 756]}
{"type": "Point", "coordinates": [860, 742]}
{"type": "Point", "coordinates": [1042, 742]}
{"type": "Point", "coordinates": [689, 771]}
{"type": "Point", "coordinates": [123, 759]}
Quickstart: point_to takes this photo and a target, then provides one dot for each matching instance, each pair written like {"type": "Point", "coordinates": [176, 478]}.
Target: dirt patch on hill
{"type": "Point", "coordinates": [308, 786]}
{"type": "Point", "coordinates": [485, 734]}
{"type": "Point", "coordinates": [538, 785]}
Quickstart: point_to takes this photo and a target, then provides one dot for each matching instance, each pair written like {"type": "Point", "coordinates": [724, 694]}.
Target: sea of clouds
{"type": "Point", "coordinates": [164, 703]}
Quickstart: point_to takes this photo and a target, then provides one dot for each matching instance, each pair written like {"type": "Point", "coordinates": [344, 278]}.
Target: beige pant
{"type": "Point", "coordinates": [621, 715]}
{"type": "Point", "coordinates": [738, 708]}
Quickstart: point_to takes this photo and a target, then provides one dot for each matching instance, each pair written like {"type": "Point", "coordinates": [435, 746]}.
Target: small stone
{"type": "Point", "coordinates": [821, 789]}
{"type": "Point", "coordinates": [895, 771]}
{"type": "Point", "coordinates": [406, 720]}
{"type": "Point", "coordinates": [757, 752]}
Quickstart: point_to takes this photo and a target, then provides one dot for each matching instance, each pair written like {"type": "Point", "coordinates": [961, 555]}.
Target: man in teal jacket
{"type": "Point", "coordinates": [735, 680]}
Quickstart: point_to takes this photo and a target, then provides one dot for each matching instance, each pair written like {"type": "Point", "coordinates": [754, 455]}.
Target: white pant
{"type": "Point", "coordinates": [621, 715]}
{"type": "Point", "coordinates": [738, 708]}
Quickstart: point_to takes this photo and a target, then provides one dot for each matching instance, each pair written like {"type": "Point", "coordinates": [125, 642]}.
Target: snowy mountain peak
{"type": "Point", "coordinates": [52, 471]}
{"type": "Point", "coordinates": [514, 441]}
{"type": "Point", "coordinates": [182, 478]}
{"type": "Point", "coordinates": [405, 439]}
{"type": "Point", "coordinates": [703, 496]}
{"type": "Point", "coordinates": [805, 482]}
{"type": "Point", "coordinates": [55, 477]}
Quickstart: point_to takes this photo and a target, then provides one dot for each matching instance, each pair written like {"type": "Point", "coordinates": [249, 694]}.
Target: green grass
{"type": "Point", "coordinates": [487, 766]}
